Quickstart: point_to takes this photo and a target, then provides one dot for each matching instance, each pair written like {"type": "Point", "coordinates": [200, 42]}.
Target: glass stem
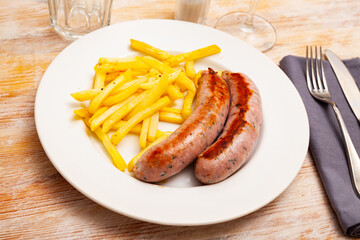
{"type": "Point", "coordinates": [248, 25]}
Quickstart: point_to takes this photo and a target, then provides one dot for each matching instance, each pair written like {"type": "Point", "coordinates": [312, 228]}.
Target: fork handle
{"type": "Point", "coordinates": [353, 157]}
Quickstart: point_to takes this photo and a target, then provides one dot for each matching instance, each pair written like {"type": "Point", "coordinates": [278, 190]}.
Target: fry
{"type": "Point", "coordinates": [193, 55]}
{"type": "Point", "coordinates": [174, 75]}
{"type": "Point", "coordinates": [154, 123]}
{"type": "Point", "coordinates": [121, 112]}
{"type": "Point", "coordinates": [136, 129]}
{"type": "Point", "coordinates": [96, 122]}
{"type": "Point", "coordinates": [174, 92]}
{"type": "Point", "coordinates": [118, 160]}
{"type": "Point", "coordinates": [121, 66]}
{"type": "Point", "coordinates": [150, 50]}
{"type": "Point", "coordinates": [190, 69]}
{"type": "Point", "coordinates": [85, 94]}
{"type": "Point", "coordinates": [154, 63]}
{"type": "Point", "coordinates": [163, 67]}
{"type": "Point", "coordinates": [159, 133]}
{"type": "Point", "coordinates": [155, 94]}
{"type": "Point", "coordinates": [137, 157]}
{"type": "Point", "coordinates": [172, 110]}
{"type": "Point", "coordinates": [188, 101]}
{"type": "Point", "coordinates": [99, 79]}
{"type": "Point", "coordinates": [98, 113]}
{"type": "Point", "coordinates": [138, 117]}
{"type": "Point", "coordinates": [144, 132]}
{"type": "Point", "coordinates": [180, 87]}
{"type": "Point", "coordinates": [196, 79]}
{"type": "Point", "coordinates": [110, 76]}
{"type": "Point", "coordinates": [123, 87]}
{"type": "Point", "coordinates": [150, 84]}
{"type": "Point", "coordinates": [186, 82]}
{"type": "Point", "coordinates": [115, 60]}
{"type": "Point", "coordinates": [82, 112]}
{"type": "Point", "coordinates": [114, 99]}
{"type": "Point", "coordinates": [99, 98]}
{"type": "Point", "coordinates": [171, 117]}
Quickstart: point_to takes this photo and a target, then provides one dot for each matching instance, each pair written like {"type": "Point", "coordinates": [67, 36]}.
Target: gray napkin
{"type": "Point", "coordinates": [326, 143]}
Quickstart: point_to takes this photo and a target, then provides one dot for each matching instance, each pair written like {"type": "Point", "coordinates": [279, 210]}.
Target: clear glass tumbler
{"type": "Point", "coordinates": [74, 18]}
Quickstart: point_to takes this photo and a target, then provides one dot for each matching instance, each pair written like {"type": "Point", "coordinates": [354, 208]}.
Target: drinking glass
{"type": "Point", "coordinates": [192, 10]}
{"type": "Point", "coordinates": [249, 27]}
{"type": "Point", "coordinates": [74, 18]}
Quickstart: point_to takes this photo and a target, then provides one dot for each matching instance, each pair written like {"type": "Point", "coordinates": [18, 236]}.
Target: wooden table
{"type": "Point", "coordinates": [37, 202]}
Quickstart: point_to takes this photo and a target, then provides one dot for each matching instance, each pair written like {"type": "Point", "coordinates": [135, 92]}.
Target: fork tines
{"type": "Point", "coordinates": [315, 76]}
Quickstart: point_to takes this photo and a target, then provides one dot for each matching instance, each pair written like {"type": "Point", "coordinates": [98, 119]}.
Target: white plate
{"type": "Point", "coordinates": [82, 161]}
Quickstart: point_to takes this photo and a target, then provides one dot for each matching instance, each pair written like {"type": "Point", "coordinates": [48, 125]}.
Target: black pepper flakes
{"type": "Point", "coordinates": [232, 161]}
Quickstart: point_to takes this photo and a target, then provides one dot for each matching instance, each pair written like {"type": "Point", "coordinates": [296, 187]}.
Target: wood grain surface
{"type": "Point", "coordinates": [36, 202]}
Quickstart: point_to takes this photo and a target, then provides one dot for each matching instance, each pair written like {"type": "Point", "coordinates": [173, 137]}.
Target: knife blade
{"type": "Point", "coordinates": [347, 82]}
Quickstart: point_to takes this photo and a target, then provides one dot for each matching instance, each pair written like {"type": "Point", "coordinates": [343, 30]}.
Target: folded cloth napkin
{"type": "Point", "coordinates": [326, 143]}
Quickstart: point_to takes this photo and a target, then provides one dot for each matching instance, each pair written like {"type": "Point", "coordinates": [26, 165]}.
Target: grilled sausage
{"type": "Point", "coordinates": [233, 147]}
{"type": "Point", "coordinates": [198, 131]}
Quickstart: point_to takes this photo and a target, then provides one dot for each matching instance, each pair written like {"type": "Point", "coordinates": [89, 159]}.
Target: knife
{"type": "Point", "coordinates": [347, 82]}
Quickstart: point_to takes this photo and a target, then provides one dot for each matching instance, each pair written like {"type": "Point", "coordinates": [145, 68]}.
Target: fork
{"type": "Point", "coordinates": [318, 88]}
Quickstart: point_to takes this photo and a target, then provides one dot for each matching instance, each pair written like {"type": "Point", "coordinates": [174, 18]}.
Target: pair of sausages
{"type": "Point", "coordinates": [228, 110]}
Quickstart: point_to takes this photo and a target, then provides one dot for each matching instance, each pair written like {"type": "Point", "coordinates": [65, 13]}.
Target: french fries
{"type": "Point", "coordinates": [111, 100]}
{"type": "Point", "coordinates": [96, 122]}
{"type": "Point", "coordinates": [153, 95]}
{"type": "Point", "coordinates": [99, 98]}
{"type": "Point", "coordinates": [135, 94]}
{"type": "Point", "coordinates": [138, 117]}
{"type": "Point", "coordinates": [121, 112]}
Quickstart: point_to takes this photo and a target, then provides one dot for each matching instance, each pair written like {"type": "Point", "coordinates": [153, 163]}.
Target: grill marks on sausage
{"type": "Point", "coordinates": [219, 92]}
{"type": "Point", "coordinates": [237, 125]}
{"type": "Point", "coordinates": [234, 145]}
{"type": "Point", "coordinates": [158, 157]}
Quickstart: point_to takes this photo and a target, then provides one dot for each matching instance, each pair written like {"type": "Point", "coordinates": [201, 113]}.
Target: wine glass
{"type": "Point", "coordinates": [249, 27]}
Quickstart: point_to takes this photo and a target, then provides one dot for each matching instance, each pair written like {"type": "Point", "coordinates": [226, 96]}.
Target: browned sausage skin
{"type": "Point", "coordinates": [198, 131]}
{"type": "Point", "coordinates": [226, 155]}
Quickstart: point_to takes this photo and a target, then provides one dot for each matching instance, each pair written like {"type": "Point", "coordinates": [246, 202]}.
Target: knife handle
{"type": "Point", "coordinates": [352, 155]}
